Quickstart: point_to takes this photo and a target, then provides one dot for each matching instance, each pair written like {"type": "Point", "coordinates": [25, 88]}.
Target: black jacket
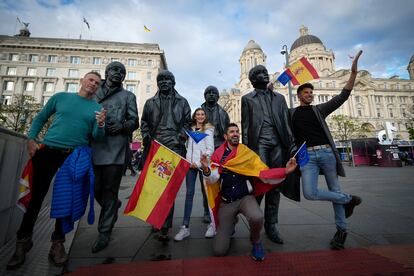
{"type": "Point", "coordinates": [121, 106]}
{"type": "Point", "coordinates": [252, 121]}
{"type": "Point", "coordinates": [151, 116]}
{"type": "Point", "coordinates": [322, 111]}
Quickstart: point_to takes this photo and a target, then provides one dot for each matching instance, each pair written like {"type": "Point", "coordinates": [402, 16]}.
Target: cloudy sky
{"type": "Point", "coordinates": [203, 40]}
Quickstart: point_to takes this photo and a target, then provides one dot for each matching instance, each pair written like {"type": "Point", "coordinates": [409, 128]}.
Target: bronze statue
{"type": "Point", "coordinates": [215, 114]}
{"type": "Point", "coordinates": [109, 154]}
{"type": "Point", "coordinates": [165, 118]}
{"type": "Point", "coordinates": [266, 129]}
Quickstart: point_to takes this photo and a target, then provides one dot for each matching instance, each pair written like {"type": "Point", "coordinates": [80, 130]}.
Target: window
{"type": "Point", "coordinates": [359, 112]}
{"type": "Point", "coordinates": [52, 59]}
{"type": "Point", "coordinates": [11, 71]}
{"type": "Point", "coordinates": [8, 85]}
{"type": "Point", "coordinates": [14, 57]}
{"type": "Point", "coordinates": [50, 72]}
{"type": "Point", "coordinates": [34, 58]}
{"type": "Point", "coordinates": [72, 87]}
{"type": "Point", "coordinates": [31, 71]}
{"type": "Point", "coordinates": [132, 62]}
{"type": "Point", "coordinates": [323, 98]}
{"type": "Point", "coordinates": [131, 75]}
{"type": "Point", "coordinates": [148, 75]}
{"type": "Point", "coordinates": [73, 73]}
{"type": "Point", "coordinates": [403, 112]}
{"type": "Point", "coordinates": [49, 86]}
{"type": "Point", "coordinates": [378, 113]}
{"type": "Point", "coordinates": [357, 99]}
{"type": "Point", "coordinates": [131, 87]}
{"type": "Point", "coordinates": [75, 60]}
{"type": "Point", "coordinates": [28, 86]}
{"type": "Point", "coordinates": [114, 59]}
{"type": "Point", "coordinates": [390, 112]}
{"type": "Point", "coordinates": [6, 100]}
{"type": "Point", "coordinates": [96, 61]}
{"type": "Point", "coordinates": [148, 89]}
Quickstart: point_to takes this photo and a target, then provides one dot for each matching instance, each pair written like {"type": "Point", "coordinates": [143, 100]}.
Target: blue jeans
{"type": "Point", "coordinates": [190, 181]}
{"type": "Point", "coordinates": [324, 160]}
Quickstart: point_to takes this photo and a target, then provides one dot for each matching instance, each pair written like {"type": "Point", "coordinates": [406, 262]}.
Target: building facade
{"type": "Point", "coordinates": [373, 101]}
{"type": "Point", "coordinates": [40, 67]}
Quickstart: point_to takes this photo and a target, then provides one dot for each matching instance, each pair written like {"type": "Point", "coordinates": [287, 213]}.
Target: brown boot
{"type": "Point", "coordinates": [57, 253]}
{"type": "Point", "coordinates": [22, 247]}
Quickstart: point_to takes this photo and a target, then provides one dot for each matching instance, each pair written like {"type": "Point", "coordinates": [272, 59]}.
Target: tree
{"type": "Point", "coordinates": [345, 128]}
{"type": "Point", "coordinates": [19, 115]}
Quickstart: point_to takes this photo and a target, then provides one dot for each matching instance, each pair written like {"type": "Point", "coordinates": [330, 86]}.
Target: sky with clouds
{"type": "Point", "coordinates": [203, 40]}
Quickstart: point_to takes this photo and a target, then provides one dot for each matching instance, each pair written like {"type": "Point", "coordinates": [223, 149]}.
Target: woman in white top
{"type": "Point", "coordinates": [194, 152]}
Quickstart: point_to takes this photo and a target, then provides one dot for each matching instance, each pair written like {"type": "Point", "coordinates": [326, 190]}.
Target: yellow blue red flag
{"type": "Point", "coordinates": [299, 72]}
{"type": "Point", "coordinates": [157, 186]}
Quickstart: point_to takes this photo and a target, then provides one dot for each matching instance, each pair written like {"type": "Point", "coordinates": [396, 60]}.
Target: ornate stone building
{"type": "Point", "coordinates": [41, 67]}
{"type": "Point", "coordinates": [373, 100]}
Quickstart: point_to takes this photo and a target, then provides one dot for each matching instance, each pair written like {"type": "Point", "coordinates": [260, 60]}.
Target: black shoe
{"type": "Point", "coordinates": [338, 240]}
{"type": "Point", "coordinates": [349, 207]}
{"type": "Point", "coordinates": [101, 243]}
{"type": "Point", "coordinates": [272, 233]}
{"type": "Point", "coordinates": [22, 247]}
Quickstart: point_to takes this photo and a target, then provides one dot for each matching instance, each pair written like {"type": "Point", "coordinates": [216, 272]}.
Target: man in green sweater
{"type": "Point", "coordinates": [76, 119]}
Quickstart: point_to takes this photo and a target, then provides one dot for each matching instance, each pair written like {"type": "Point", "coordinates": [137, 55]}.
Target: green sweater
{"type": "Point", "coordinates": [74, 122]}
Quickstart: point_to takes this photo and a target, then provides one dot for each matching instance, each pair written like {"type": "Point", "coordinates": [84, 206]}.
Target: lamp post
{"type": "Point", "coordinates": [286, 53]}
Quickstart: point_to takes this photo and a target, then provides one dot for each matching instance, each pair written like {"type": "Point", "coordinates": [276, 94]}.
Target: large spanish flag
{"type": "Point", "coordinates": [157, 186]}
{"type": "Point", "coordinates": [244, 161]}
{"type": "Point", "coordinates": [299, 72]}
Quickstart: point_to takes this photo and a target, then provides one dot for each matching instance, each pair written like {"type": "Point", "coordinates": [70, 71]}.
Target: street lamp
{"type": "Point", "coordinates": [286, 53]}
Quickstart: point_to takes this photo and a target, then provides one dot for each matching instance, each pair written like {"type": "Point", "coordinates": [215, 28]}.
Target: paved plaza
{"type": "Point", "coordinates": [386, 217]}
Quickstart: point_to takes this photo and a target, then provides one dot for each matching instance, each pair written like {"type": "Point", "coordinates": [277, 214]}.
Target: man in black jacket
{"type": "Point", "coordinates": [309, 126]}
{"type": "Point", "coordinates": [165, 118]}
{"type": "Point", "coordinates": [266, 129]}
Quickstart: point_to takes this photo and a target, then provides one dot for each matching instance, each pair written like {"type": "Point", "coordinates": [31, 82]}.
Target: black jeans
{"type": "Point", "coordinates": [46, 162]}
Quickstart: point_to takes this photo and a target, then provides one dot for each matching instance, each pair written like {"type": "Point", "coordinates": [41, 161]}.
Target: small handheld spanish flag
{"type": "Point", "coordinates": [298, 73]}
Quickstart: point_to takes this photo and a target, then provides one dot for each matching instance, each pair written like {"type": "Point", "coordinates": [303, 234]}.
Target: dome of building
{"type": "Point", "coordinates": [252, 45]}
{"type": "Point", "coordinates": [304, 39]}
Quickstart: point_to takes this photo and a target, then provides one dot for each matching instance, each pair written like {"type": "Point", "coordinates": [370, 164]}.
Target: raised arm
{"type": "Point", "coordinates": [354, 70]}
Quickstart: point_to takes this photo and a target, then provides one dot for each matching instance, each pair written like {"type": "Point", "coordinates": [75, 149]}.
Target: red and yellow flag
{"type": "Point", "coordinates": [302, 71]}
{"type": "Point", "coordinates": [157, 186]}
{"type": "Point", "coordinates": [25, 186]}
{"type": "Point", "coordinates": [244, 161]}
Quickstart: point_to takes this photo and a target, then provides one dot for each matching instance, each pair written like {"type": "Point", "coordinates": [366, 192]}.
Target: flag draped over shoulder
{"type": "Point", "coordinates": [299, 72]}
{"type": "Point", "coordinates": [157, 186]}
{"type": "Point", "coordinates": [242, 161]}
{"type": "Point", "coordinates": [196, 136]}
{"type": "Point", "coordinates": [25, 186]}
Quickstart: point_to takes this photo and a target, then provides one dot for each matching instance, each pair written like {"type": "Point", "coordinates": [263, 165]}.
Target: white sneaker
{"type": "Point", "coordinates": [211, 232]}
{"type": "Point", "coordinates": [182, 234]}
